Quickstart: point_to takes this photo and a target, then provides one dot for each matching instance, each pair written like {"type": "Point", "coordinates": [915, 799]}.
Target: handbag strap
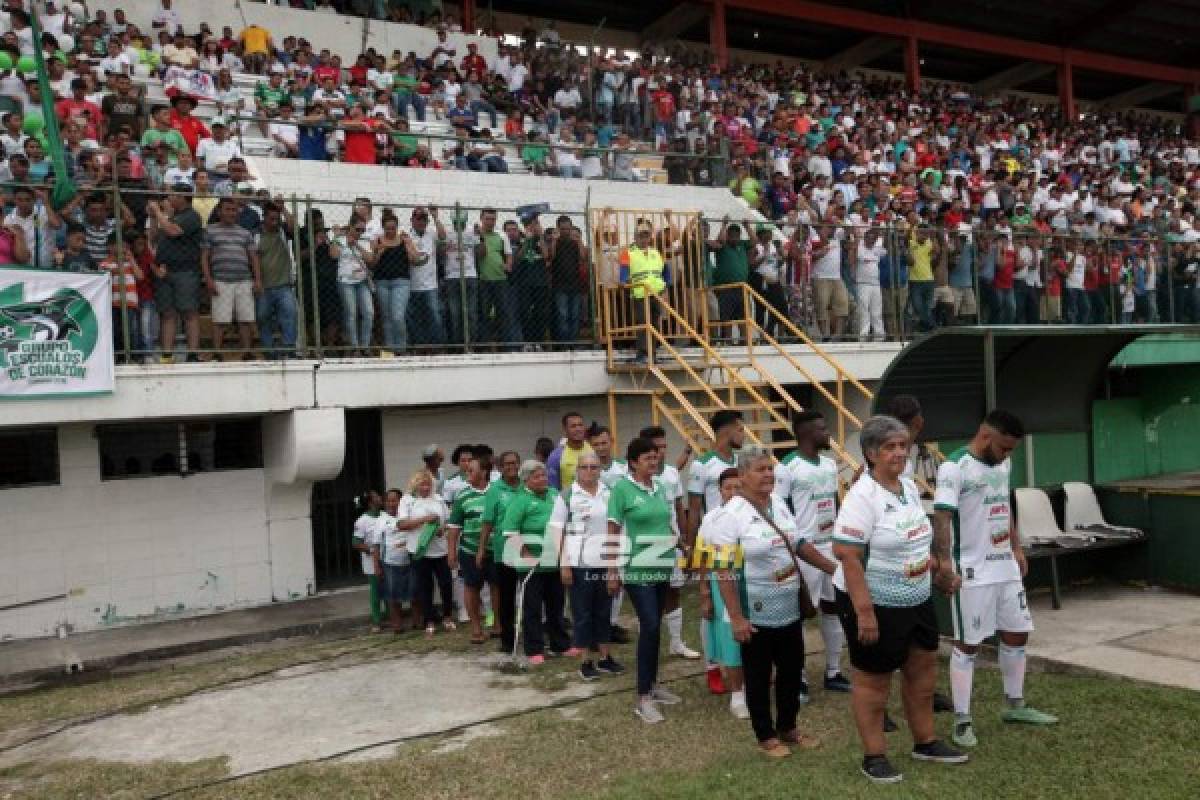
{"type": "Point", "coordinates": [786, 544]}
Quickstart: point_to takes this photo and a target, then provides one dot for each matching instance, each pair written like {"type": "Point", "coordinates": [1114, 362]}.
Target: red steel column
{"type": "Point", "coordinates": [912, 64]}
{"type": "Point", "coordinates": [1066, 91]}
{"type": "Point", "coordinates": [468, 16]}
{"type": "Point", "coordinates": [716, 33]}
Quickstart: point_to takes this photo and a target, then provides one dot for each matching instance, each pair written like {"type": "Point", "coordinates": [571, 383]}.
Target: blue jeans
{"type": "Point", "coordinates": [358, 314]}
{"type": "Point", "coordinates": [150, 326]}
{"type": "Point", "coordinates": [483, 105]}
{"type": "Point", "coordinates": [568, 307]}
{"type": "Point", "coordinates": [277, 307]}
{"type": "Point", "coordinates": [1006, 307]}
{"type": "Point", "coordinates": [131, 320]}
{"type": "Point", "coordinates": [425, 317]}
{"type": "Point", "coordinates": [498, 312]}
{"type": "Point", "coordinates": [591, 609]}
{"type": "Point", "coordinates": [920, 297]}
{"type": "Point", "coordinates": [647, 599]}
{"type": "Point", "coordinates": [462, 316]}
{"type": "Point", "coordinates": [401, 102]}
{"type": "Point", "coordinates": [1076, 310]}
{"type": "Point", "coordinates": [570, 172]}
{"type": "Point", "coordinates": [393, 304]}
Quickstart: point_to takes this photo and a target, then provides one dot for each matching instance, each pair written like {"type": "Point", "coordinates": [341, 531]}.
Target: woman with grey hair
{"type": "Point", "coordinates": [885, 602]}
{"type": "Point", "coordinates": [762, 598]}
{"type": "Point", "coordinates": [524, 530]}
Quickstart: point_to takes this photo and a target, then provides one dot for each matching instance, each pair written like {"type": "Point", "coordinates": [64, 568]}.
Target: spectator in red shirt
{"type": "Point", "coordinates": [473, 61]}
{"type": "Point", "coordinates": [664, 115]}
{"type": "Point", "coordinates": [359, 131]}
{"type": "Point", "coordinates": [325, 70]}
{"type": "Point", "coordinates": [77, 106]}
{"type": "Point", "coordinates": [191, 129]}
{"type": "Point", "coordinates": [358, 73]}
{"type": "Point", "coordinates": [1002, 283]}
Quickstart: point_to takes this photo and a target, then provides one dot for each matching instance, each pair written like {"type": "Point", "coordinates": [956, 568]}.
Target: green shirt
{"type": "Point", "coordinates": [495, 503]}
{"type": "Point", "coordinates": [275, 259]}
{"type": "Point", "coordinates": [270, 96]}
{"type": "Point", "coordinates": [733, 263]}
{"type": "Point", "coordinates": [535, 153]}
{"type": "Point", "coordinates": [527, 515]}
{"type": "Point", "coordinates": [645, 517]}
{"type": "Point", "coordinates": [173, 138]}
{"type": "Point", "coordinates": [491, 266]}
{"type": "Point", "coordinates": [467, 514]}
{"type": "Point", "coordinates": [405, 144]}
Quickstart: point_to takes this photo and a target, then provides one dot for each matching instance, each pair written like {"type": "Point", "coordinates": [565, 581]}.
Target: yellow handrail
{"type": "Point", "coordinates": [657, 404]}
{"type": "Point", "coordinates": [806, 373]}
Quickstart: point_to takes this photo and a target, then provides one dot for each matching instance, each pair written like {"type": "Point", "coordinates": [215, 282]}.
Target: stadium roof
{"type": "Point", "coordinates": [1157, 32]}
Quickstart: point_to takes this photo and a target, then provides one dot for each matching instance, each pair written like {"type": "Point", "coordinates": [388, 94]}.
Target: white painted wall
{"type": "Point", "coordinates": [144, 549]}
{"type": "Point", "coordinates": [503, 425]}
{"type": "Point", "coordinates": [343, 35]}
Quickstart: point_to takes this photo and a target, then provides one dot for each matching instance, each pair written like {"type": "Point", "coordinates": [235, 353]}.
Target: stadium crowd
{"type": "Point", "coordinates": [887, 211]}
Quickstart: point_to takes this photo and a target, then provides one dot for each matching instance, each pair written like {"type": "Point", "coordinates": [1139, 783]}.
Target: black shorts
{"type": "Point", "coordinates": [473, 575]}
{"type": "Point", "coordinates": [900, 629]}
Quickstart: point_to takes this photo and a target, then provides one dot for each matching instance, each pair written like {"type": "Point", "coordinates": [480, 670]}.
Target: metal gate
{"type": "Point", "coordinates": [333, 512]}
{"type": "Point", "coordinates": [679, 236]}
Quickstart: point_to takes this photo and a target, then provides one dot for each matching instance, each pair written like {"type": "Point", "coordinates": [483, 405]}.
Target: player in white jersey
{"type": "Point", "coordinates": [808, 481]}
{"type": "Point", "coordinates": [704, 494]}
{"type": "Point", "coordinates": [672, 611]}
{"type": "Point", "coordinates": [611, 471]}
{"type": "Point", "coordinates": [450, 489]}
{"type": "Point", "coordinates": [979, 551]}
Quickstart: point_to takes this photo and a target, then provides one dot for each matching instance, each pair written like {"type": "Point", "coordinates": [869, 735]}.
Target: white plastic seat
{"type": "Point", "coordinates": [1083, 514]}
{"type": "Point", "coordinates": [1035, 516]}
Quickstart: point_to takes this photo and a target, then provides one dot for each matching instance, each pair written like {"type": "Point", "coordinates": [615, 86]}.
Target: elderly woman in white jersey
{"type": "Point", "coordinates": [762, 598]}
{"type": "Point", "coordinates": [579, 522]}
{"type": "Point", "coordinates": [885, 601]}
{"type": "Point", "coordinates": [719, 645]}
{"type": "Point", "coordinates": [423, 514]}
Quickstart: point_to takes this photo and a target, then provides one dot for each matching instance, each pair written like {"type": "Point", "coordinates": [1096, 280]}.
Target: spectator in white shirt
{"type": "Point", "coordinates": [166, 18]}
{"type": "Point", "coordinates": [214, 154]}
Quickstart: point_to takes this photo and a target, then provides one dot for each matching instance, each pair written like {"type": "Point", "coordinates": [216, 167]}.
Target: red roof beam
{"type": "Point", "coordinates": [946, 35]}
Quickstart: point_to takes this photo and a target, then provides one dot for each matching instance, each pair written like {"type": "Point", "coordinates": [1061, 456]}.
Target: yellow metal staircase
{"type": "Point", "coordinates": [689, 376]}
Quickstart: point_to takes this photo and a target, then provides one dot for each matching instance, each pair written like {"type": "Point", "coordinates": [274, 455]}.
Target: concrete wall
{"type": "Point", "coordinates": [344, 35]}
{"type": "Point", "coordinates": [510, 425]}
{"type": "Point", "coordinates": [133, 550]}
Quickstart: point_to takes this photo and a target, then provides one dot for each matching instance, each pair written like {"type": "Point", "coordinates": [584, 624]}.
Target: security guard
{"type": "Point", "coordinates": [646, 278]}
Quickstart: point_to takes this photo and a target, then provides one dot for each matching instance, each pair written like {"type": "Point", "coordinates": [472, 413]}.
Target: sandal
{"type": "Point", "coordinates": [430, 631]}
{"type": "Point", "coordinates": [801, 740]}
{"type": "Point", "coordinates": [773, 748]}
{"type": "Point", "coordinates": [449, 625]}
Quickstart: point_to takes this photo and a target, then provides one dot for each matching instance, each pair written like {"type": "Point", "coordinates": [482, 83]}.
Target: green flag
{"type": "Point", "coordinates": [64, 187]}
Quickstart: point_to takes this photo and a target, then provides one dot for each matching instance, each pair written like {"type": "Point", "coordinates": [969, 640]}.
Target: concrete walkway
{"type": "Point", "coordinates": [32, 660]}
{"type": "Point", "coordinates": [1150, 635]}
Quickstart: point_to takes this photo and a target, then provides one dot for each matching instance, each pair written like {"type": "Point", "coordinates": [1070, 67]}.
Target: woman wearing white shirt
{"type": "Point", "coordinates": [368, 533]}
{"type": "Point", "coordinates": [885, 604]}
{"type": "Point", "coordinates": [423, 515]}
{"type": "Point", "coordinates": [579, 521]}
{"type": "Point", "coordinates": [355, 260]}
{"type": "Point", "coordinates": [762, 598]}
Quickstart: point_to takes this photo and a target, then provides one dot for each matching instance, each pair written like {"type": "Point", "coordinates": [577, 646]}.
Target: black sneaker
{"type": "Point", "coordinates": [941, 703]}
{"type": "Point", "coordinates": [879, 770]}
{"type": "Point", "coordinates": [889, 726]}
{"type": "Point", "coordinates": [619, 635]}
{"type": "Point", "coordinates": [938, 751]}
{"type": "Point", "coordinates": [609, 666]}
{"type": "Point", "coordinates": [837, 683]}
{"type": "Point", "coordinates": [588, 671]}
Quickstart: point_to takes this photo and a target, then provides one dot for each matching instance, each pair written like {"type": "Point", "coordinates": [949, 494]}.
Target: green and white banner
{"type": "Point", "coordinates": [55, 333]}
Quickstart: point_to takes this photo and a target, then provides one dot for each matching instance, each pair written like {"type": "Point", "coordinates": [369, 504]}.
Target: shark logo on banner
{"type": "Point", "coordinates": [55, 334]}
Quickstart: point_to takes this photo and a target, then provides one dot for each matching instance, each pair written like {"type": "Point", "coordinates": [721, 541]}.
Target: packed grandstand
{"type": "Point", "coordinates": [859, 208]}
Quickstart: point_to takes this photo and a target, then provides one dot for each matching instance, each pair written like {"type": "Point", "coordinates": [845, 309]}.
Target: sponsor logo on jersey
{"type": "Point", "coordinates": [1000, 537]}
{"type": "Point", "coordinates": [851, 533]}
{"type": "Point", "coordinates": [915, 569]}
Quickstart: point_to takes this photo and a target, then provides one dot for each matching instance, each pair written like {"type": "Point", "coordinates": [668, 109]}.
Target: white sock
{"type": "Point", "coordinates": [616, 607]}
{"type": "Point", "coordinates": [485, 597]}
{"type": "Point", "coordinates": [962, 674]}
{"type": "Point", "coordinates": [1012, 672]}
{"type": "Point", "coordinates": [674, 620]}
{"type": "Point", "coordinates": [831, 633]}
{"type": "Point", "coordinates": [737, 698]}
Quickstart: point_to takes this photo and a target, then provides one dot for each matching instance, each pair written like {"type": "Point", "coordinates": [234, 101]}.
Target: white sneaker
{"type": "Point", "coordinates": [678, 648]}
{"type": "Point", "coordinates": [648, 711]}
{"type": "Point", "coordinates": [664, 696]}
{"type": "Point", "coordinates": [737, 707]}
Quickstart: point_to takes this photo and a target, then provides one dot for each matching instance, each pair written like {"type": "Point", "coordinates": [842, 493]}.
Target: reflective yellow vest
{"type": "Point", "coordinates": [645, 271]}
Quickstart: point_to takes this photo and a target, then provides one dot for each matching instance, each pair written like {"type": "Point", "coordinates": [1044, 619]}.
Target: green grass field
{"type": "Point", "coordinates": [1117, 739]}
